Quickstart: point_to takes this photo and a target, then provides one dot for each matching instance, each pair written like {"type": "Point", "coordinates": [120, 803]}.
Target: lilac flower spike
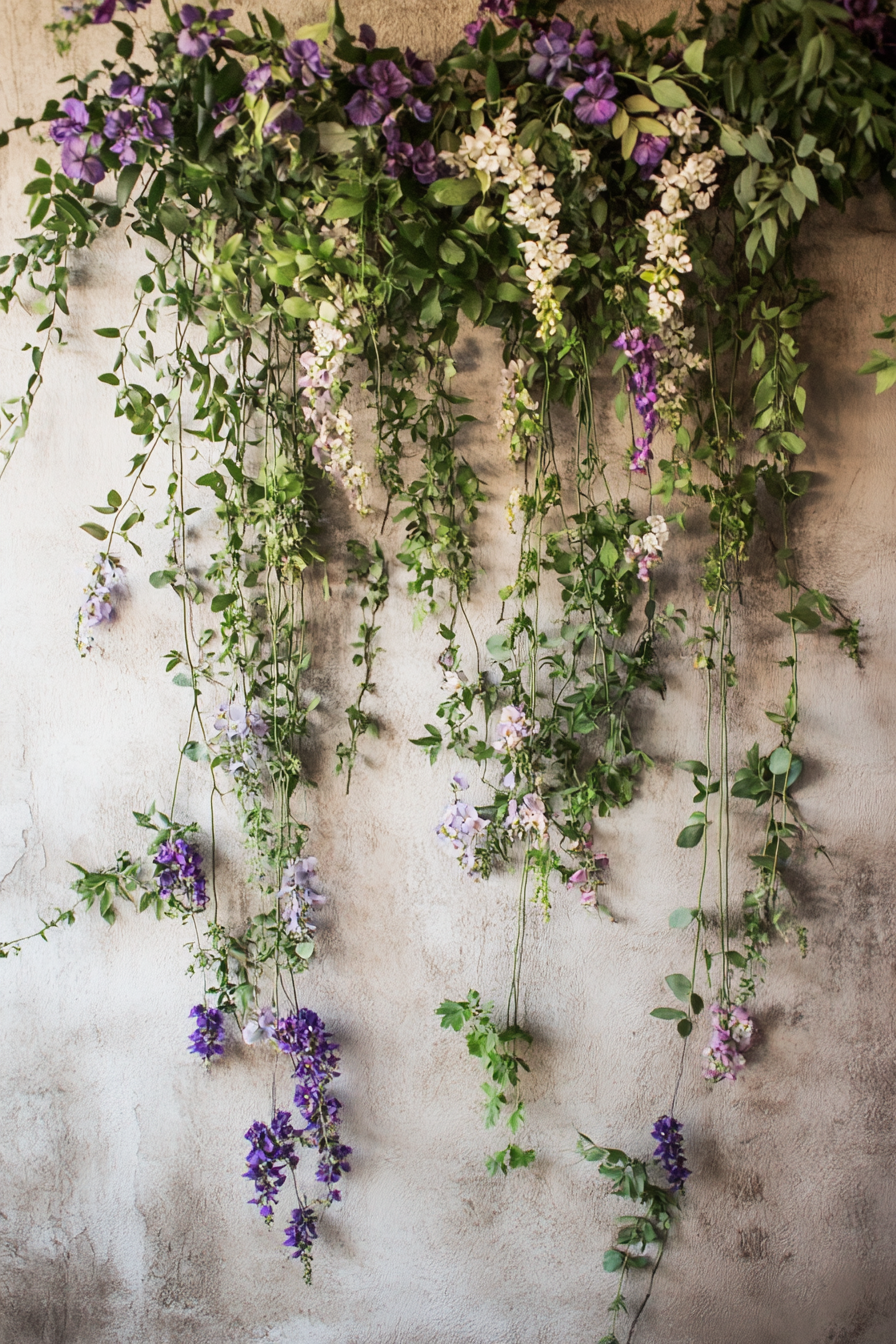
{"type": "Point", "coordinates": [732, 1033]}
{"type": "Point", "coordinates": [642, 384]}
{"type": "Point", "coordinates": [208, 1038]}
{"type": "Point", "coordinates": [669, 1151]}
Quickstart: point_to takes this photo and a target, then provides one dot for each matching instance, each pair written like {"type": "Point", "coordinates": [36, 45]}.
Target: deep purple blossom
{"type": "Point", "coordinates": [426, 164]}
{"type": "Point", "coordinates": [287, 123]}
{"type": "Point", "coordinates": [273, 1150]}
{"type": "Point", "coordinates": [365, 108]}
{"type": "Point", "coordinates": [79, 164]}
{"type": "Point", "coordinates": [552, 52]}
{"type": "Point", "coordinates": [649, 152]}
{"type": "Point", "coordinates": [125, 86]}
{"type": "Point", "coordinates": [384, 79]}
{"type": "Point", "coordinates": [499, 9]}
{"type": "Point", "coordinates": [301, 1230]}
{"type": "Point", "coordinates": [398, 152]}
{"type": "Point", "coordinates": [196, 41]}
{"type": "Point", "coordinates": [179, 874]}
{"type": "Point", "coordinates": [641, 382]}
{"type": "Point", "coordinates": [367, 36]}
{"type": "Point", "coordinates": [259, 79]}
{"type": "Point", "coordinates": [105, 10]}
{"type": "Point", "coordinates": [73, 124]}
{"type": "Point", "coordinates": [422, 111]}
{"type": "Point", "coordinates": [669, 1151]}
{"type": "Point", "coordinates": [595, 104]}
{"type": "Point", "coordinates": [304, 62]}
{"type": "Point", "coordinates": [315, 1056]}
{"type": "Point", "coordinates": [123, 130]}
{"type": "Point", "coordinates": [422, 72]}
{"type": "Point", "coordinates": [208, 1038]}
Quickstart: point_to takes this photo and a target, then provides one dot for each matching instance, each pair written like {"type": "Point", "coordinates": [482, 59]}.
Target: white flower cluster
{"type": "Point", "coordinates": [512, 508]}
{"type": "Point", "coordinates": [685, 182]}
{"type": "Point", "coordinates": [323, 367]}
{"type": "Point", "coordinates": [647, 550]}
{"type": "Point", "coordinates": [531, 206]}
{"type": "Point", "coordinates": [515, 422]}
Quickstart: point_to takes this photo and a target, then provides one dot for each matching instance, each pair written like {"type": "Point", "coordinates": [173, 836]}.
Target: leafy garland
{"type": "Point", "coordinates": [321, 212]}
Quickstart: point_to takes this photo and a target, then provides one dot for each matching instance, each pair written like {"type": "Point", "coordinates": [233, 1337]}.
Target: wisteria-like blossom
{"type": "Point", "coordinates": [462, 830]}
{"type": "Point", "coordinates": [272, 1152]}
{"type": "Point", "coordinates": [531, 206]}
{"type": "Point", "coordinates": [315, 1056]}
{"type": "Point", "coordinates": [106, 574]}
{"type": "Point", "coordinates": [590, 875]}
{"type": "Point", "coordinates": [323, 366]}
{"type": "Point", "coordinates": [298, 898]}
{"type": "Point", "coordinates": [669, 1151]}
{"type": "Point", "coordinates": [179, 874]}
{"type": "Point", "coordinates": [512, 508]}
{"type": "Point", "coordinates": [516, 421]}
{"type": "Point", "coordinates": [262, 1027]}
{"type": "Point", "coordinates": [207, 1040]}
{"type": "Point", "coordinates": [641, 382]}
{"type": "Point", "coordinates": [452, 682]}
{"type": "Point", "coordinates": [528, 817]}
{"type": "Point", "coordinates": [583, 72]}
{"type": "Point", "coordinates": [242, 731]}
{"type": "Point", "coordinates": [514, 727]}
{"type": "Point", "coordinates": [301, 1231]}
{"type": "Point", "coordinates": [732, 1034]}
{"type": "Point", "coordinates": [646, 550]}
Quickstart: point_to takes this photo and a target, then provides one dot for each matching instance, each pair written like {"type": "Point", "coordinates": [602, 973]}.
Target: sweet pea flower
{"type": "Point", "coordinates": [79, 164]}
{"type": "Point", "coordinates": [259, 79]}
{"type": "Point", "coordinates": [106, 9]}
{"type": "Point", "coordinates": [596, 104]}
{"type": "Point", "coordinates": [422, 72]}
{"type": "Point", "coordinates": [260, 1028]}
{"type": "Point", "coordinates": [384, 79]}
{"type": "Point", "coordinates": [551, 52]}
{"type": "Point", "coordinates": [196, 41]}
{"type": "Point", "coordinates": [648, 152]}
{"type": "Point", "coordinates": [366, 108]}
{"type": "Point", "coordinates": [73, 124]}
{"type": "Point", "coordinates": [304, 62]}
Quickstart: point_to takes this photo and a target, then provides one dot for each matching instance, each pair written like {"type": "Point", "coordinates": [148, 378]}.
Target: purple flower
{"type": "Point", "coordinates": [298, 898]}
{"type": "Point", "coordinates": [472, 31]}
{"type": "Point", "coordinates": [179, 874]}
{"type": "Point", "coordinates": [123, 129]}
{"type": "Point", "coordinates": [303, 60]}
{"type": "Point", "coordinates": [462, 830]}
{"type": "Point", "coordinates": [596, 105]}
{"type": "Point", "coordinates": [287, 123]}
{"type": "Point", "coordinates": [589, 56]}
{"type": "Point", "coordinates": [365, 108]}
{"type": "Point", "coordinates": [642, 384]}
{"type": "Point", "coordinates": [301, 1230]}
{"type": "Point", "coordinates": [73, 124]}
{"type": "Point", "coordinates": [501, 9]}
{"type": "Point", "coordinates": [649, 151]}
{"type": "Point", "coordinates": [551, 52]}
{"type": "Point", "coordinates": [79, 164]}
{"type": "Point", "coordinates": [105, 10]}
{"type": "Point", "coordinates": [259, 79]}
{"type": "Point", "coordinates": [273, 1150]}
{"type": "Point", "coordinates": [384, 79]}
{"type": "Point", "coordinates": [669, 1151]}
{"type": "Point", "coordinates": [315, 1056]}
{"type": "Point", "coordinates": [208, 1038]}
{"type": "Point", "coordinates": [422, 72]}
{"type": "Point", "coordinates": [732, 1033]}
{"type": "Point", "coordinates": [106, 574]}
{"type": "Point", "coordinates": [426, 164]}
{"type": "Point", "coordinates": [196, 41]}
{"type": "Point", "coordinates": [367, 36]}
{"type": "Point", "coordinates": [125, 86]}
{"type": "Point", "coordinates": [422, 111]}
{"type": "Point", "coordinates": [398, 151]}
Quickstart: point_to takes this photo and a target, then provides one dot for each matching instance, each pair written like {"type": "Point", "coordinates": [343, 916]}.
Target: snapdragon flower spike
{"type": "Point", "coordinates": [273, 1150]}
{"type": "Point", "coordinates": [179, 874]}
{"type": "Point", "coordinates": [208, 1038]}
{"type": "Point", "coordinates": [732, 1033]}
{"type": "Point", "coordinates": [669, 1151]}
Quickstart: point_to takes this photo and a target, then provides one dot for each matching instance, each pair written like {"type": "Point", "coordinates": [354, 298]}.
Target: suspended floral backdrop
{"type": "Point", "coordinates": [323, 216]}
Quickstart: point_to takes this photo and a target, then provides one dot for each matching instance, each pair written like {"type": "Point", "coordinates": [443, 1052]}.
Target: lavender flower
{"type": "Point", "coordinates": [196, 40]}
{"type": "Point", "coordinates": [304, 62]}
{"type": "Point", "coordinates": [73, 125]}
{"type": "Point", "coordinates": [156, 124]}
{"type": "Point", "coordinates": [287, 123]}
{"type": "Point", "coordinates": [669, 1151]}
{"type": "Point", "coordinates": [79, 164]}
{"type": "Point", "coordinates": [105, 574]}
{"type": "Point", "coordinates": [552, 52]}
{"type": "Point", "coordinates": [125, 86]}
{"type": "Point", "coordinates": [366, 108]}
{"type": "Point", "coordinates": [596, 104]}
{"type": "Point", "coordinates": [527, 818]}
{"type": "Point", "coordinates": [123, 129]}
{"type": "Point", "coordinates": [106, 9]}
{"type": "Point", "coordinates": [649, 152]}
{"type": "Point", "coordinates": [642, 383]}
{"type": "Point", "coordinates": [732, 1033]}
{"type": "Point", "coordinates": [422, 111]}
{"type": "Point", "coordinates": [462, 830]}
{"type": "Point", "coordinates": [179, 874]}
{"type": "Point", "coordinates": [501, 9]}
{"type": "Point", "coordinates": [260, 1028]}
{"type": "Point", "coordinates": [422, 72]}
{"type": "Point", "coordinates": [513, 729]}
{"type": "Point", "coordinates": [272, 1151]}
{"type": "Point", "coordinates": [425, 164]}
{"type": "Point", "coordinates": [301, 1230]}
{"type": "Point", "coordinates": [259, 79]}
{"type": "Point", "coordinates": [298, 898]}
{"type": "Point", "coordinates": [208, 1038]}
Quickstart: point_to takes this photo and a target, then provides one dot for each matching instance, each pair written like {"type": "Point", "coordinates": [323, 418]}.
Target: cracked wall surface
{"type": "Point", "coordinates": [122, 1213]}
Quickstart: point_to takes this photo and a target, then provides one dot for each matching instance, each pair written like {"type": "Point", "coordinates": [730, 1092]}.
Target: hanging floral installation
{"type": "Point", "coordinates": [322, 214]}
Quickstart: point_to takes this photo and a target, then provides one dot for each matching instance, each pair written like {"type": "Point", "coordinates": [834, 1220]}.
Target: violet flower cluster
{"type": "Point", "coordinates": [298, 898]}
{"type": "Point", "coordinates": [732, 1033]}
{"type": "Point", "coordinates": [385, 91]}
{"type": "Point", "coordinates": [503, 10]}
{"type": "Point", "coordinates": [462, 830]}
{"type": "Point", "coordinates": [104, 11]}
{"type": "Point", "coordinates": [641, 383]}
{"type": "Point", "coordinates": [179, 874]}
{"type": "Point", "coordinates": [669, 1151]}
{"type": "Point", "coordinates": [105, 575]}
{"type": "Point", "coordinates": [208, 1038]}
{"type": "Point", "coordinates": [198, 32]}
{"type": "Point", "coordinates": [582, 72]}
{"type": "Point", "coordinates": [273, 1151]}
{"type": "Point", "coordinates": [136, 121]}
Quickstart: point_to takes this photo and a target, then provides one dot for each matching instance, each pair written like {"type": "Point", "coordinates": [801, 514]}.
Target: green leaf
{"type": "Point", "coordinates": [691, 835]}
{"type": "Point", "coordinates": [127, 180]}
{"type": "Point", "coordinates": [804, 178]}
{"type": "Point", "coordinates": [668, 1014]}
{"type": "Point", "coordinates": [669, 94]}
{"type": "Point", "coordinates": [161, 578]}
{"type": "Point", "coordinates": [195, 751]}
{"type": "Point", "coordinates": [732, 142]}
{"type": "Point", "coordinates": [758, 146]}
{"type": "Point", "coordinates": [450, 253]}
{"type": "Point", "coordinates": [95, 530]}
{"type": "Point", "coordinates": [692, 767]}
{"type": "Point", "coordinates": [680, 986]}
{"type": "Point", "coordinates": [498, 647]}
{"type": "Point", "coordinates": [111, 333]}
{"type": "Point", "coordinates": [681, 917]}
{"type": "Point", "coordinates": [454, 190]}
{"type": "Point", "coordinates": [493, 83]}
{"type": "Point", "coordinates": [613, 1261]}
{"type": "Point", "coordinates": [344, 208]}
{"type": "Point", "coordinates": [182, 679]}
{"type": "Point", "coordinates": [685, 1027]}
{"type": "Point", "coordinates": [296, 307]}
{"type": "Point", "coordinates": [223, 600]}
{"type": "Point", "coordinates": [780, 761]}
{"type": "Point", "coordinates": [694, 54]}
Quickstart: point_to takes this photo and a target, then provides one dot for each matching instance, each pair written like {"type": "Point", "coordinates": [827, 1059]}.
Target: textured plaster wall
{"type": "Point", "coordinates": [122, 1214]}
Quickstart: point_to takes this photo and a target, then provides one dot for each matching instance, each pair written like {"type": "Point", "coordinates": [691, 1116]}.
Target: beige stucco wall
{"type": "Point", "coordinates": [122, 1212]}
